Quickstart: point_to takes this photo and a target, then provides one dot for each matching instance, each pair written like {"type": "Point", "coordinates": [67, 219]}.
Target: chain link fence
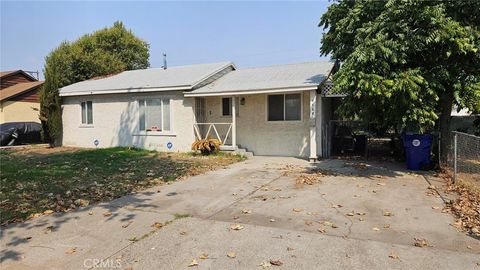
{"type": "Point", "coordinates": [464, 158]}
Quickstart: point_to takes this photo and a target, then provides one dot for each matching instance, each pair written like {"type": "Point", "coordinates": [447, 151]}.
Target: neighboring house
{"type": "Point", "coordinates": [19, 97]}
{"type": "Point", "coordinates": [275, 110]}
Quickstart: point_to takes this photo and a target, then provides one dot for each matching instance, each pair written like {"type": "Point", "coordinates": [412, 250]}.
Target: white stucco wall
{"type": "Point", "coordinates": [280, 138]}
{"type": "Point", "coordinates": [116, 122]}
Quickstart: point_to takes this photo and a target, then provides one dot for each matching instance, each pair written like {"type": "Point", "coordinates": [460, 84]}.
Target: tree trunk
{"type": "Point", "coordinates": [446, 103]}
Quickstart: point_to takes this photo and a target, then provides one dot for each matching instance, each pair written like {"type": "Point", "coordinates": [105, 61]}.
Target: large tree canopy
{"type": "Point", "coordinates": [405, 62]}
{"type": "Point", "coordinates": [107, 51]}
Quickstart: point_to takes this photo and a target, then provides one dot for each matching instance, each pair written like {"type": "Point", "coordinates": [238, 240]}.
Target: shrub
{"type": "Point", "coordinates": [206, 146]}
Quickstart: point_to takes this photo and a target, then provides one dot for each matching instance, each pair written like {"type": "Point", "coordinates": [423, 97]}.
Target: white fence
{"type": "Point", "coordinates": [220, 131]}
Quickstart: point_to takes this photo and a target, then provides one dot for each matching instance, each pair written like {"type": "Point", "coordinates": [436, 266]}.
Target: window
{"type": "Point", "coordinates": [227, 106]}
{"type": "Point", "coordinates": [286, 107]}
{"type": "Point", "coordinates": [87, 113]}
{"type": "Point", "coordinates": [154, 114]}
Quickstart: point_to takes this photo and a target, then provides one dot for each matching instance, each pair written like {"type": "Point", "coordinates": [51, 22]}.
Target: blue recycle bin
{"type": "Point", "coordinates": [417, 150]}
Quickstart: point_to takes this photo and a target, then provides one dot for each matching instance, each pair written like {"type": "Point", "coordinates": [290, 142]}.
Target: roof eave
{"type": "Point", "coordinates": [251, 91]}
{"type": "Point", "coordinates": [31, 88]}
{"type": "Point", "coordinates": [125, 91]}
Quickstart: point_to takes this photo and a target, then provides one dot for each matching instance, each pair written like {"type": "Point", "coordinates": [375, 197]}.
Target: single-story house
{"type": "Point", "coordinates": [19, 97]}
{"type": "Point", "coordinates": [275, 110]}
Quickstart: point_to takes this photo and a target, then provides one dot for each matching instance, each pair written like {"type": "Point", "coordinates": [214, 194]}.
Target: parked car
{"type": "Point", "coordinates": [16, 133]}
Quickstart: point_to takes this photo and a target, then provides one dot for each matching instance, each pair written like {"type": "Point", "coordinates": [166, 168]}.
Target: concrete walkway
{"type": "Point", "coordinates": [360, 216]}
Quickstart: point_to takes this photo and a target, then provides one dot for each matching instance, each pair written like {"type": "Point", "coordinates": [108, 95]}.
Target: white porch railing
{"type": "Point", "coordinates": [213, 131]}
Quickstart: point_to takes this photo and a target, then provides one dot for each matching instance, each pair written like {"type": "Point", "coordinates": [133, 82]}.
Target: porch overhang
{"type": "Point", "coordinates": [250, 91]}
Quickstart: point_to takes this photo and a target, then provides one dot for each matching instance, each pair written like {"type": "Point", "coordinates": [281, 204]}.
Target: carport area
{"type": "Point", "coordinates": [271, 212]}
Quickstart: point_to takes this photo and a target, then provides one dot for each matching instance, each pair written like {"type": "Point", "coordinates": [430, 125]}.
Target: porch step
{"type": "Point", "coordinates": [244, 152]}
{"type": "Point", "coordinates": [239, 151]}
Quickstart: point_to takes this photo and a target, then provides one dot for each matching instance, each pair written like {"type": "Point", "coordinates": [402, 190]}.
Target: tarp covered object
{"type": "Point", "coordinates": [16, 133]}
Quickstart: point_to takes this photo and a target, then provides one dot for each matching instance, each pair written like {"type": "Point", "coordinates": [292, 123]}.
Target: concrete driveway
{"type": "Point", "coordinates": [254, 215]}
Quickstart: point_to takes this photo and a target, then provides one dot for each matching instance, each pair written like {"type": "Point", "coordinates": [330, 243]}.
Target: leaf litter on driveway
{"type": "Point", "coordinates": [236, 227]}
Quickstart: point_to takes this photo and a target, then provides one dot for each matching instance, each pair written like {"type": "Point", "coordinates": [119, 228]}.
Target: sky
{"type": "Point", "coordinates": [248, 33]}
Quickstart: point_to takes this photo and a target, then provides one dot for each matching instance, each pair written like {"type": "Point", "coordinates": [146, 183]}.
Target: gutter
{"type": "Point", "coordinates": [126, 91]}
{"type": "Point", "coordinates": [250, 92]}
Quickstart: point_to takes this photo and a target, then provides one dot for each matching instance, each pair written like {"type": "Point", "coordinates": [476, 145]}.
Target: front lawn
{"type": "Point", "coordinates": [41, 180]}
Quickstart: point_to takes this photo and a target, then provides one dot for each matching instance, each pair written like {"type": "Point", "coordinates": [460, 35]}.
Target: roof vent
{"type": "Point", "coordinates": [164, 61]}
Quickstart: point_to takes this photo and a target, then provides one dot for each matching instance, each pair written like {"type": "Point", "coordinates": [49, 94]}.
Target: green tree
{"type": "Point", "coordinates": [107, 51]}
{"type": "Point", "coordinates": [405, 63]}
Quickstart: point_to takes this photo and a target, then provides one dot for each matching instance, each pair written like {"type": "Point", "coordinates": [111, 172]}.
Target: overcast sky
{"type": "Point", "coordinates": [247, 33]}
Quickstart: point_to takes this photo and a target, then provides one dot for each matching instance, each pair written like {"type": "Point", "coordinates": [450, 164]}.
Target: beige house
{"type": "Point", "coordinates": [19, 97]}
{"type": "Point", "coordinates": [275, 110]}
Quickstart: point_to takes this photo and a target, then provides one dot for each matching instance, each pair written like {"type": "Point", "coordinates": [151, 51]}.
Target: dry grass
{"type": "Point", "coordinates": [35, 180]}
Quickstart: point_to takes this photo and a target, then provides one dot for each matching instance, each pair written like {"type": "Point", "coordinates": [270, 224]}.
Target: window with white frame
{"type": "Point", "coordinates": [285, 107]}
{"type": "Point", "coordinates": [154, 114]}
{"type": "Point", "coordinates": [87, 113]}
{"type": "Point", "coordinates": [227, 106]}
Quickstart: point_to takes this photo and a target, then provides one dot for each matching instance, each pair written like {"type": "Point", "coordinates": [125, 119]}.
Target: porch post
{"type": "Point", "coordinates": [234, 123]}
{"type": "Point", "coordinates": [313, 127]}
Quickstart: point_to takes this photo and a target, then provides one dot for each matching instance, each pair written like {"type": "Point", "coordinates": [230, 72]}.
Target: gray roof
{"type": "Point", "coordinates": [153, 79]}
{"type": "Point", "coordinates": [303, 76]}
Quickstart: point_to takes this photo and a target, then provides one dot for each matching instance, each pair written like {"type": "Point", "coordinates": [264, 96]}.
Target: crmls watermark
{"type": "Point", "coordinates": [102, 263]}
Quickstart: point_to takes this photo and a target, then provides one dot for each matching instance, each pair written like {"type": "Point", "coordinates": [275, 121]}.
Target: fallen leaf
{"type": "Point", "coordinates": [329, 224]}
{"type": "Point", "coordinates": [246, 211]}
{"type": "Point", "coordinates": [393, 256]}
{"type": "Point", "coordinates": [236, 227]}
{"type": "Point", "coordinates": [381, 184]}
{"type": "Point", "coordinates": [193, 263]}
{"type": "Point", "coordinates": [420, 242]}
{"type": "Point", "coordinates": [265, 265]}
{"type": "Point", "coordinates": [386, 226]}
{"type": "Point", "coordinates": [297, 209]}
{"type": "Point", "coordinates": [435, 207]}
{"type": "Point", "coordinates": [203, 256]}
{"type": "Point", "coordinates": [276, 262]}
{"type": "Point", "coordinates": [128, 224]}
{"type": "Point", "coordinates": [71, 250]}
{"type": "Point", "coordinates": [47, 212]}
{"type": "Point", "coordinates": [272, 220]}
{"type": "Point", "coordinates": [387, 214]}
{"type": "Point", "coordinates": [351, 214]}
{"type": "Point", "coordinates": [231, 254]}
{"type": "Point", "coordinates": [157, 225]}
{"type": "Point", "coordinates": [107, 214]}
{"type": "Point", "coordinates": [375, 229]}
{"type": "Point", "coordinates": [183, 233]}
{"type": "Point", "coordinates": [336, 206]}
{"type": "Point", "coordinates": [321, 230]}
